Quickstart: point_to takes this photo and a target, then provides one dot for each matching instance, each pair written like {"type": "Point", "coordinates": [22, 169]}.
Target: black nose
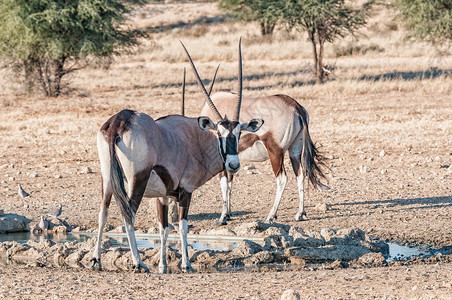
{"type": "Point", "coordinates": [234, 166]}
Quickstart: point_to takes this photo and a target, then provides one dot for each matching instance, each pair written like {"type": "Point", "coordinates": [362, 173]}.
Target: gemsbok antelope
{"type": "Point", "coordinates": [285, 129]}
{"type": "Point", "coordinates": [165, 158]}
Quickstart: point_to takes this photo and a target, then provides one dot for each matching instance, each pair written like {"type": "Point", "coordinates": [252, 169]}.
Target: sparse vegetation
{"type": "Point", "coordinates": [354, 48]}
{"type": "Point", "coordinates": [266, 13]}
{"type": "Point", "coordinates": [427, 20]}
{"type": "Point", "coordinates": [46, 40]}
{"type": "Point", "coordinates": [324, 21]}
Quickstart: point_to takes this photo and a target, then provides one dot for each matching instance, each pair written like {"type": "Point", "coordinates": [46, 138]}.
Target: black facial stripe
{"type": "Point", "coordinates": [231, 145]}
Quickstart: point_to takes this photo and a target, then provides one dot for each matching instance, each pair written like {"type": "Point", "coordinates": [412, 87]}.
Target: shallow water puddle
{"type": "Point", "coordinates": [197, 242]}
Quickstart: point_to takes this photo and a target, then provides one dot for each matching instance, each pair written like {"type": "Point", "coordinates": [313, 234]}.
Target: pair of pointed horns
{"type": "Point", "coordinates": [207, 94]}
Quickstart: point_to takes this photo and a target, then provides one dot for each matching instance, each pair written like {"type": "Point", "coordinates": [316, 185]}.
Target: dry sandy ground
{"type": "Point", "coordinates": [389, 145]}
{"type": "Point", "coordinates": [402, 282]}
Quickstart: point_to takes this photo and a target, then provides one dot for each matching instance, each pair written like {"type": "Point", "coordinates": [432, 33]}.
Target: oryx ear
{"type": "Point", "coordinates": [205, 123]}
{"type": "Point", "coordinates": [253, 125]}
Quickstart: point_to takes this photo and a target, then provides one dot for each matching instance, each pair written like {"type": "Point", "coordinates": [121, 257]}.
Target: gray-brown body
{"type": "Point", "coordinates": [285, 130]}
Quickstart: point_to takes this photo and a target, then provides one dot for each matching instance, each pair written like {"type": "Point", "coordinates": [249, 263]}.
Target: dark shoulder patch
{"type": "Point", "coordinates": [247, 140]}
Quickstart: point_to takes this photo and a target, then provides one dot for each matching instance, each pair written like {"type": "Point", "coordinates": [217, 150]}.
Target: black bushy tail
{"type": "Point", "coordinates": [117, 183]}
{"type": "Point", "coordinates": [312, 159]}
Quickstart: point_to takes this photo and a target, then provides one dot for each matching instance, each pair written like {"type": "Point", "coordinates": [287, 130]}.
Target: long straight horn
{"type": "Point", "coordinates": [182, 111]}
{"type": "Point", "coordinates": [203, 88]}
{"type": "Point", "coordinates": [239, 98]}
{"type": "Point", "coordinates": [213, 80]}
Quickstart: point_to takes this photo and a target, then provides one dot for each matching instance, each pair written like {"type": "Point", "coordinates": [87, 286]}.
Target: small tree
{"type": "Point", "coordinates": [428, 20]}
{"type": "Point", "coordinates": [47, 39]}
{"type": "Point", "coordinates": [265, 12]}
{"type": "Point", "coordinates": [324, 21]}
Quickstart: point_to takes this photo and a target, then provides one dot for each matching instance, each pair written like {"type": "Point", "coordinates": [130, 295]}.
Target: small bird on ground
{"type": "Point", "coordinates": [56, 212]}
{"type": "Point", "coordinates": [43, 224]}
{"type": "Point", "coordinates": [22, 193]}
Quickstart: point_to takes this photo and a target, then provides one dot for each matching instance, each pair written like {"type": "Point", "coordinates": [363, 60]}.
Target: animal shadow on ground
{"type": "Point", "coordinates": [427, 74]}
{"type": "Point", "coordinates": [199, 21]}
{"type": "Point", "coordinates": [394, 205]}
{"type": "Point", "coordinates": [245, 78]}
{"type": "Point", "coordinates": [213, 216]}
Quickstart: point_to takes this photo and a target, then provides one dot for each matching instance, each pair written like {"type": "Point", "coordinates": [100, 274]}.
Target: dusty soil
{"type": "Point", "coordinates": [389, 151]}
{"type": "Point", "coordinates": [398, 282]}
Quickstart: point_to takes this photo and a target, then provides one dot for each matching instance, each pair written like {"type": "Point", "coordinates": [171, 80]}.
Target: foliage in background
{"type": "Point", "coordinates": [428, 20]}
{"type": "Point", "coordinates": [324, 21]}
{"type": "Point", "coordinates": [47, 39]}
{"type": "Point", "coordinates": [265, 12]}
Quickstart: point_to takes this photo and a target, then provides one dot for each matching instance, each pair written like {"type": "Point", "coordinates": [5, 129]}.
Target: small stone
{"type": "Point", "coordinates": [58, 176]}
{"type": "Point", "coordinates": [251, 167]}
{"type": "Point", "coordinates": [373, 259]}
{"type": "Point", "coordinates": [383, 171]}
{"type": "Point", "coordinates": [290, 295]}
{"type": "Point", "coordinates": [323, 207]}
{"type": "Point", "coordinates": [382, 153]}
{"type": "Point", "coordinates": [363, 169]}
{"type": "Point", "coordinates": [87, 170]}
{"type": "Point", "coordinates": [34, 175]}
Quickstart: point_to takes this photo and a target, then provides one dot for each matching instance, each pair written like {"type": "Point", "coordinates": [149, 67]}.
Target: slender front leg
{"type": "Point", "coordinates": [281, 181]}
{"type": "Point", "coordinates": [184, 205]}
{"type": "Point", "coordinates": [162, 209]}
{"type": "Point", "coordinates": [226, 194]}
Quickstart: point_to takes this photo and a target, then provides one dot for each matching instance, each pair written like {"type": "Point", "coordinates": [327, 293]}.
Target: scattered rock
{"type": "Point", "coordinates": [363, 169]}
{"type": "Point", "coordinates": [87, 170]}
{"type": "Point", "coordinates": [246, 248]}
{"type": "Point", "coordinates": [372, 259]}
{"type": "Point", "coordinates": [278, 241]}
{"type": "Point", "coordinates": [263, 257]}
{"type": "Point", "coordinates": [13, 223]}
{"type": "Point", "coordinates": [290, 295]}
{"type": "Point", "coordinates": [328, 252]}
{"type": "Point", "coordinates": [258, 228]}
{"type": "Point", "coordinates": [218, 231]}
{"type": "Point", "coordinates": [323, 207]}
{"type": "Point", "coordinates": [382, 153]}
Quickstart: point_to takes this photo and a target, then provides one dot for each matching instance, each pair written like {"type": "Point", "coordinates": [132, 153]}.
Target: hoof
{"type": "Point", "coordinates": [221, 223]}
{"type": "Point", "coordinates": [269, 221]}
{"type": "Point", "coordinates": [187, 269]}
{"type": "Point", "coordinates": [95, 264]}
{"type": "Point", "coordinates": [300, 216]}
{"type": "Point", "coordinates": [228, 217]}
{"type": "Point", "coordinates": [141, 268]}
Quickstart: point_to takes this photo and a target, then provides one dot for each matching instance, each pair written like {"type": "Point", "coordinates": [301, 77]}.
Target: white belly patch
{"type": "Point", "coordinates": [155, 186]}
{"type": "Point", "coordinates": [257, 152]}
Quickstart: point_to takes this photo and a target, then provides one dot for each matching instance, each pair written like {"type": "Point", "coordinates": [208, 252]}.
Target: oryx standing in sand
{"type": "Point", "coordinates": [166, 158]}
{"type": "Point", "coordinates": [285, 130]}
